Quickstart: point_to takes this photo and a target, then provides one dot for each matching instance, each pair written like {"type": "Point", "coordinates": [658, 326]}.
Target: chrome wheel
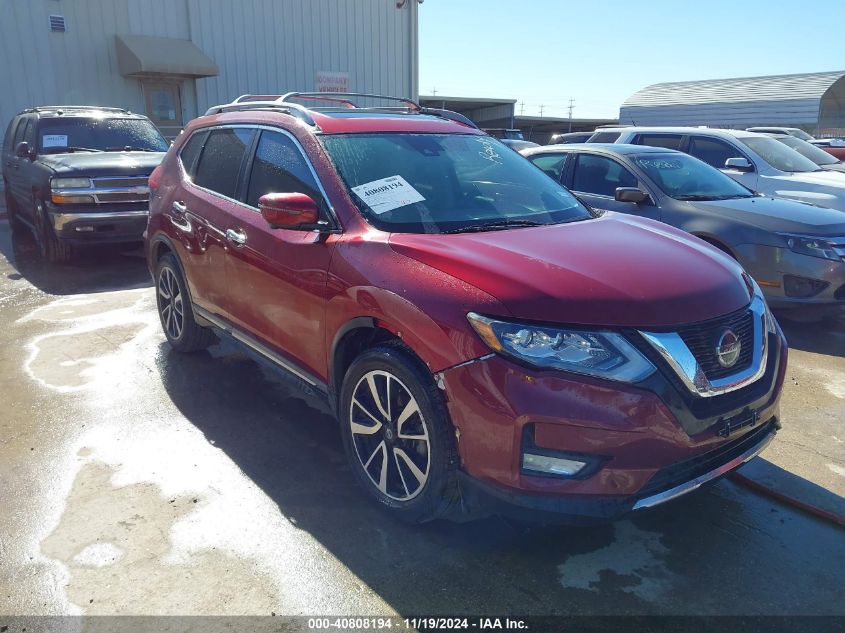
{"type": "Point", "coordinates": [390, 435]}
{"type": "Point", "coordinates": [170, 305]}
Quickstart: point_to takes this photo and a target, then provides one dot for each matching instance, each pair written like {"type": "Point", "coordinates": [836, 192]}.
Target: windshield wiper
{"type": "Point", "coordinates": [494, 225]}
{"type": "Point", "coordinates": [129, 148]}
{"type": "Point", "coordinates": [695, 197]}
{"type": "Point", "coordinates": [69, 148]}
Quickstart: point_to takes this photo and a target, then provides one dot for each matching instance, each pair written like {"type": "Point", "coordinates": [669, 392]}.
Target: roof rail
{"type": "Point", "coordinates": [77, 107]}
{"type": "Point", "coordinates": [284, 103]}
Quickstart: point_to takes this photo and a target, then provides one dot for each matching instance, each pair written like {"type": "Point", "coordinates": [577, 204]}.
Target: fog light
{"type": "Point", "coordinates": [802, 287]}
{"type": "Point", "coordinates": [551, 465]}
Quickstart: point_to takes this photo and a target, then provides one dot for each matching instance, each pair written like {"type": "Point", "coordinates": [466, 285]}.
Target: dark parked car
{"type": "Point", "coordinates": [569, 137]}
{"type": "Point", "coordinates": [78, 175]}
{"type": "Point", "coordinates": [481, 335]}
{"type": "Point", "coordinates": [518, 146]}
{"type": "Point", "coordinates": [794, 250]}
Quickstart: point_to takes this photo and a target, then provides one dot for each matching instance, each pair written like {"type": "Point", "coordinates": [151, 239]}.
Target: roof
{"type": "Point", "coordinates": [616, 148]}
{"type": "Point", "coordinates": [678, 129]}
{"type": "Point", "coordinates": [149, 55]}
{"type": "Point", "coordinates": [81, 111]}
{"type": "Point", "coordinates": [774, 87]}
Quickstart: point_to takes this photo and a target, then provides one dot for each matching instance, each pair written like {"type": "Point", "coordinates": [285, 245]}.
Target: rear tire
{"type": "Point", "coordinates": [53, 249]}
{"type": "Point", "coordinates": [175, 310]}
{"type": "Point", "coordinates": [398, 438]}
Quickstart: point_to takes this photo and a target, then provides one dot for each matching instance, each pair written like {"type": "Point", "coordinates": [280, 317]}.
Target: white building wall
{"type": "Point", "coordinates": [260, 46]}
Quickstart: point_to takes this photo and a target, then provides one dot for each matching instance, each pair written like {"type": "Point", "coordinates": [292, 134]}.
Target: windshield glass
{"type": "Point", "coordinates": [436, 183]}
{"type": "Point", "coordinates": [686, 178]}
{"type": "Point", "coordinates": [779, 155]}
{"type": "Point", "coordinates": [808, 150]}
{"type": "Point", "coordinates": [800, 134]}
{"type": "Point", "coordinates": [101, 134]}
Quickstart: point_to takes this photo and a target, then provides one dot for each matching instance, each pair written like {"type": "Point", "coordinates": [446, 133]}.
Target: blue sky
{"type": "Point", "coordinates": [598, 52]}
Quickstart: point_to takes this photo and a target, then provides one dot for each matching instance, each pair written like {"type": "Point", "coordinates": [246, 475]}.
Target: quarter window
{"type": "Point", "coordinates": [552, 164]}
{"type": "Point", "coordinates": [190, 152]}
{"type": "Point", "coordinates": [712, 151]}
{"type": "Point", "coordinates": [279, 167]}
{"type": "Point", "coordinates": [601, 176]}
{"type": "Point", "coordinates": [221, 158]}
{"type": "Point", "coordinates": [669, 141]}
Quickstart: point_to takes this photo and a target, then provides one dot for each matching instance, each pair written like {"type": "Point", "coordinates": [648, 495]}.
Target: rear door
{"type": "Point", "coordinates": [278, 277]}
{"type": "Point", "coordinates": [13, 171]}
{"type": "Point", "coordinates": [213, 161]}
{"type": "Point", "coordinates": [595, 178]}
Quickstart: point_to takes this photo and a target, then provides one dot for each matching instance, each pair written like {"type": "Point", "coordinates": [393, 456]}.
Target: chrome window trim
{"type": "Point", "coordinates": [675, 352]}
{"type": "Point", "coordinates": [257, 126]}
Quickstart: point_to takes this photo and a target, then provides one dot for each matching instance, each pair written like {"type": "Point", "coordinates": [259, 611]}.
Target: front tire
{"type": "Point", "coordinates": [398, 438]}
{"type": "Point", "coordinates": [175, 311]}
{"type": "Point", "coordinates": [53, 250]}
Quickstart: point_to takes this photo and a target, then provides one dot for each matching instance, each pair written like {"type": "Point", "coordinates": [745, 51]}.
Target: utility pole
{"type": "Point", "coordinates": [571, 107]}
{"type": "Point", "coordinates": [542, 107]}
{"type": "Point", "coordinates": [521, 108]}
{"type": "Point", "coordinates": [434, 92]}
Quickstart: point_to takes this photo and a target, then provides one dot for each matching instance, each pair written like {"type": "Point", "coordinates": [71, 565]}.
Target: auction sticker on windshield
{"type": "Point", "coordinates": [54, 140]}
{"type": "Point", "coordinates": [387, 194]}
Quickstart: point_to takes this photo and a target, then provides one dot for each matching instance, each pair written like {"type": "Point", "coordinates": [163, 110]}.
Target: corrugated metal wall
{"type": "Point", "coordinates": [260, 46]}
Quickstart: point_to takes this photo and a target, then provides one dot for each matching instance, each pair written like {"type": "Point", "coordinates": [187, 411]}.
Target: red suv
{"type": "Point", "coordinates": [486, 340]}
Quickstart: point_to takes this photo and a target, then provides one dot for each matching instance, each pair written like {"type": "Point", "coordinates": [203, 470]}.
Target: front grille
{"type": "Point", "coordinates": [682, 472]}
{"type": "Point", "coordinates": [123, 197]}
{"type": "Point", "coordinates": [702, 340]}
{"type": "Point", "coordinates": [129, 181]}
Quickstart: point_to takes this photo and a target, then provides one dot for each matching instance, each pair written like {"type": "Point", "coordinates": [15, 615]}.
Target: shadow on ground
{"type": "Point", "coordinates": [93, 269]}
{"type": "Point", "coordinates": [676, 559]}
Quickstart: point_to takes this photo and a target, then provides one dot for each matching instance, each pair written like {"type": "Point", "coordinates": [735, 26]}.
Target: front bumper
{"type": "Point", "coordinates": [656, 440]}
{"type": "Point", "coordinates": [770, 266]}
{"type": "Point", "coordinates": [112, 223]}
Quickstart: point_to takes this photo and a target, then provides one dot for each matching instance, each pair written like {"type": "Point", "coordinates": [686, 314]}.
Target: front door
{"type": "Point", "coordinates": [594, 179]}
{"type": "Point", "coordinates": [278, 277]}
{"type": "Point", "coordinates": [163, 102]}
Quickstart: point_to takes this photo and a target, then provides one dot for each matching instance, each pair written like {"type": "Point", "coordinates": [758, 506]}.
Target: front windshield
{"type": "Point", "coordinates": [438, 183]}
{"type": "Point", "coordinates": [808, 150]}
{"type": "Point", "coordinates": [800, 134]}
{"type": "Point", "coordinates": [71, 134]}
{"type": "Point", "coordinates": [683, 177]}
{"type": "Point", "coordinates": [778, 155]}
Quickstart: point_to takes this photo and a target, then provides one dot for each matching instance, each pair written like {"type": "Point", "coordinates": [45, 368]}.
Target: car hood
{"type": "Point", "coordinates": [615, 270]}
{"type": "Point", "coordinates": [840, 167]}
{"type": "Point", "coordinates": [819, 179]}
{"type": "Point", "coordinates": [778, 215]}
{"type": "Point", "coordinates": [102, 164]}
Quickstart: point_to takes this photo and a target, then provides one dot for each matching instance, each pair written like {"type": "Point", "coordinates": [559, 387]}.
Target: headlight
{"type": "Point", "coordinates": [595, 353]}
{"type": "Point", "coordinates": [812, 246]}
{"type": "Point", "coordinates": [771, 324]}
{"type": "Point", "coordinates": [70, 183]}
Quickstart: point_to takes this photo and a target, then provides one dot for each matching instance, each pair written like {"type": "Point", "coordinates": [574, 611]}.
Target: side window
{"type": "Point", "coordinates": [712, 151]}
{"type": "Point", "coordinates": [9, 138]}
{"type": "Point", "coordinates": [552, 164]}
{"type": "Point", "coordinates": [279, 167]}
{"type": "Point", "coordinates": [220, 161]}
{"type": "Point", "coordinates": [190, 151]}
{"type": "Point", "coordinates": [668, 141]}
{"type": "Point", "coordinates": [19, 132]}
{"type": "Point", "coordinates": [29, 132]}
{"type": "Point", "coordinates": [601, 176]}
{"type": "Point", "coordinates": [604, 137]}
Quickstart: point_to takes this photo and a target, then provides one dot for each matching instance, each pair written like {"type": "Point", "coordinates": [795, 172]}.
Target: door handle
{"type": "Point", "coordinates": [238, 238]}
{"type": "Point", "coordinates": [179, 207]}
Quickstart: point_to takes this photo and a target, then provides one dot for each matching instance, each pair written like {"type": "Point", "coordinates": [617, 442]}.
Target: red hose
{"type": "Point", "coordinates": [806, 507]}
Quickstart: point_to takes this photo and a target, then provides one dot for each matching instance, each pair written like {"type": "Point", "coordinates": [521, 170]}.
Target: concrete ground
{"type": "Point", "coordinates": [134, 480]}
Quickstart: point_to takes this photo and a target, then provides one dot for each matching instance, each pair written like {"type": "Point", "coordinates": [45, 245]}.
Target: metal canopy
{"type": "Point", "coordinates": [145, 55]}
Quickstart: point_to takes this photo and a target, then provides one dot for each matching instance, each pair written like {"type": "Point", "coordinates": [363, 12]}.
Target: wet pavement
{"type": "Point", "coordinates": [134, 480]}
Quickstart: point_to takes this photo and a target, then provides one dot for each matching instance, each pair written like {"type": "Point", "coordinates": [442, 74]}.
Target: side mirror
{"type": "Point", "coordinates": [739, 164]}
{"type": "Point", "coordinates": [22, 150]}
{"type": "Point", "coordinates": [630, 194]}
{"type": "Point", "coordinates": [289, 210]}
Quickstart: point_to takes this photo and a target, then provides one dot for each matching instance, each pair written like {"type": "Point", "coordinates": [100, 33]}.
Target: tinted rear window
{"type": "Point", "coordinates": [220, 162]}
{"type": "Point", "coordinates": [669, 141]}
{"type": "Point", "coordinates": [604, 137]}
{"type": "Point", "coordinates": [190, 152]}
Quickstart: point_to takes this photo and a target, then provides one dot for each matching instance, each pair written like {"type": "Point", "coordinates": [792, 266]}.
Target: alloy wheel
{"type": "Point", "coordinates": [390, 435]}
{"type": "Point", "coordinates": [170, 303]}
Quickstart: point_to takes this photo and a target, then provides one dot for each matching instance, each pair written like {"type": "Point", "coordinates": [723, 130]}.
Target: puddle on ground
{"type": "Point", "coordinates": [632, 563]}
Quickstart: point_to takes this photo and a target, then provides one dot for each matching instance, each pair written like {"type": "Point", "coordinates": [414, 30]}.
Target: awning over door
{"type": "Point", "coordinates": [146, 55]}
